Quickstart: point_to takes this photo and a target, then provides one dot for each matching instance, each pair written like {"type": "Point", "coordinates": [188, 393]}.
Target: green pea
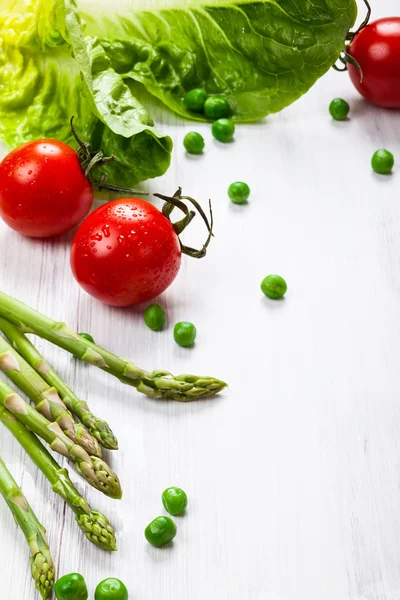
{"type": "Point", "coordinates": [274, 286]}
{"type": "Point", "coordinates": [382, 162]}
{"type": "Point", "coordinates": [174, 500]}
{"type": "Point", "coordinates": [160, 532]}
{"type": "Point", "coordinates": [216, 107]}
{"type": "Point", "coordinates": [195, 99]}
{"type": "Point", "coordinates": [111, 589]}
{"type": "Point", "coordinates": [223, 130]}
{"type": "Point", "coordinates": [185, 333]}
{"type": "Point", "coordinates": [71, 587]}
{"type": "Point", "coordinates": [87, 336]}
{"type": "Point", "coordinates": [239, 192]}
{"type": "Point", "coordinates": [154, 317]}
{"type": "Point", "coordinates": [339, 109]}
{"type": "Point", "coordinates": [194, 142]}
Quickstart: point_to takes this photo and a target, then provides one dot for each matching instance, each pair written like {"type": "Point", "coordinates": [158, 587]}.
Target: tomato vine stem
{"type": "Point", "coordinates": [177, 201]}
{"type": "Point", "coordinates": [345, 58]}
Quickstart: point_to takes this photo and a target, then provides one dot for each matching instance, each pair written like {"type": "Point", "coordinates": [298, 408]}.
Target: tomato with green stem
{"type": "Point", "coordinates": [46, 188]}
{"type": "Point", "coordinates": [375, 58]}
{"type": "Point", "coordinates": [43, 190]}
{"type": "Point", "coordinates": [127, 251]}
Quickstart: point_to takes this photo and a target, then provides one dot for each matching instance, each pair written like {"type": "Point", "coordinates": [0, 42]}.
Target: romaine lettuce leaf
{"type": "Point", "coordinates": [56, 61]}
{"type": "Point", "coordinates": [262, 55]}
{"type": "Point", "coordinates": [49, 71]}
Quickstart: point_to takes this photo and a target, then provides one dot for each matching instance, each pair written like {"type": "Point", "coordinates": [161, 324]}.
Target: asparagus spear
{"type": "Point", "coordinates": [97, 427]}
{"type": "Point", "coordinates": [93, 469]}
{"type": "Point", "coordinates": [42, 566]}
{"type": "Point", "coordinates": [93, 523]}
{"type": "Point", "coordinates": [44, 397]}
{"type": "Point", "coordinates": [161, 384]}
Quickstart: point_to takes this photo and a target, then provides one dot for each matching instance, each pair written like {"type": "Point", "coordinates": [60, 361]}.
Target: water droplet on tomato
{"type": "Point", "coordinates": [92, 244]}
{"type": "Point", "coordinates": [121, 238]}
{"type": "Point", "coordinates": [30, 172]}
{"type": "Point", "coordinates": [127, 255]}
{"type": "Point", "coordinates": [106, 230]}
{"type": "Point", "coordinates": [97, 237]}
{"type": "Point", "coordinates": [109, 247]}
{"type": "Point", "coordinates": [93, 278]}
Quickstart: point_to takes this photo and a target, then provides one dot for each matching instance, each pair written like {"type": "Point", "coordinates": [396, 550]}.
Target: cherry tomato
{"type": "Point", "coordinates": [376, 48]}
{"type": "Point", "coordinates": [43, 190]}
{"type": "Point", "coordinates": [125, 252]}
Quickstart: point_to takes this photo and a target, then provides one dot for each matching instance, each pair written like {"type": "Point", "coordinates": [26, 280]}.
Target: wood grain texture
{"type": "Point", "coordinates": [293, 473]}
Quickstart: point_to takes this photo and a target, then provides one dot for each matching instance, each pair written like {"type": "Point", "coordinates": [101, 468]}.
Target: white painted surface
{"type": "Point", "coordinates": [293, 474]}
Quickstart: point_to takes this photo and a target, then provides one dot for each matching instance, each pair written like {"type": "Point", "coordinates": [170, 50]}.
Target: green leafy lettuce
{"type": "Point", "coordinates": [49, 71]}
{"type": "Point", "coordinates": [59, 59]}
{"type": "Point", "coordinates": [261, 55]}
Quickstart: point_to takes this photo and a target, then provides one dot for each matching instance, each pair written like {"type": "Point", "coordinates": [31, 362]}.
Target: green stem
{"type": "Point", "coordinates": [42, 566]}
{"type": "Point", "coordinates": [93, 469]}
{"type": "Point", "coordinates": [93, 523]}
{"type": "Point", "coordinates": [44, 397]}
{"type": "Point", "coordinates": [159, 384]}
{"type": "Point", "coordinates": [98, 428]}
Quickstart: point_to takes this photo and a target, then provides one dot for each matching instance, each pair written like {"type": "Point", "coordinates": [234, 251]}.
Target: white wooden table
{"type": "Point", "coordinates": [293, 474]}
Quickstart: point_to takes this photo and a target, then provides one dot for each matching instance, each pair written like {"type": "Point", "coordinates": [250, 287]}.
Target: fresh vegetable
{"type": "Point", "coordinates": [216, 107]}
{"type": "Point", "coordinates": [44, 397]}
{"type": "Point", "coordinates": [339, 109]}
{"type": "Point", "coordinates": [376, 49]}
{"type": "Point", "coordinates": [223, 130]}
{"type": "Point", "coordinates": [93, 469]}
{"type": "Point", "coordinates": [239, 192]}
{"type": "Point", "coordinates": [42, 566]}
{"type": "Point", "coordinates": [194, 142]}
{"type": "Point", "coordinates": [185, 333]}
{"type": "Point", "coordinates": [174, 500]}
{"type": "Point", "coordinates": [127, 251]}
{"type": "Point", "coordinates": [43, 189]}
{"type": "Point", "coordinates": [160, 532]}
{"type": "Point", "coordinates": [274, 286]}
{"type": "Point", "coordinates": [87, 337]}
{"type": "Point", "coordinates": [154, 317]}
{"type": "Point", "coordinates": [50, 70]}
{"type": "Point", "coordinates": [261, 56]}
{"type": "Point", "coordinates": [111, 589]}
{"type": "Point", "coordinates": [382, 162]}
{"type": "Point", "coordinates": [160, 384]}
{"type": "Point", "coordinates": [93, 523]}
{"type": "Point", "coordinates": [97, 427]}
{"type": "Point", "coordinates": [195, 99]}
{"type": "Point", "coordinates": [71, 587]}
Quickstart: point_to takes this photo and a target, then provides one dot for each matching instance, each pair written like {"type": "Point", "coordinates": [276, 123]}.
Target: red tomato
{"type": "Point", "coordinates": [376, 48]}
{"type": "Point", "coordinates": [43, 190]}
{"type": "Point", "coordinates": [125, 252]}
